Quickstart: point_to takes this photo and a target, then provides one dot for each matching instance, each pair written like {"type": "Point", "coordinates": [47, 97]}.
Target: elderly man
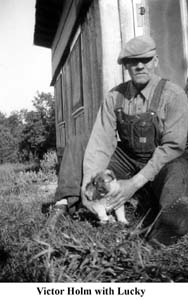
{"type": "Point", "coordinates": [140, 133]}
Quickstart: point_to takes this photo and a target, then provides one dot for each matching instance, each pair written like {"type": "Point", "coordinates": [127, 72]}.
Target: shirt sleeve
{"type": "Point", "coordinates": [102, 141]}
{"type": "Point", "coordinates": [174, 136]}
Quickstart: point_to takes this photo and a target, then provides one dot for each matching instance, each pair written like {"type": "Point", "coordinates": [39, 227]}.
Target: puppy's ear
{"type": "Point", "coordinates": [110, 173]}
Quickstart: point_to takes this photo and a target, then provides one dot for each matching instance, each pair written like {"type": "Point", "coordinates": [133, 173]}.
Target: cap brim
{"type": "Point", "coordinates": [122, 59]}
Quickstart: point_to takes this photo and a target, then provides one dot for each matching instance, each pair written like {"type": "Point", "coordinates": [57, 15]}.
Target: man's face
{"type": "Point", "coordinates": [141, 69]}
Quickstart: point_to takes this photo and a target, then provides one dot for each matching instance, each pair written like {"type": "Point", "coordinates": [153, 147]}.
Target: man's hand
{"type": "Point", "coordinates": [124, 190]}
{"type": "Point", "coordinates": [87, 203]}
{"type": "Point", "coordinates": [117, 197]}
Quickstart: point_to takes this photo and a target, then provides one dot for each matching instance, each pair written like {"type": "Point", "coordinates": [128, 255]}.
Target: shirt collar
{"type": "Point", "coordinates": [148, 90]}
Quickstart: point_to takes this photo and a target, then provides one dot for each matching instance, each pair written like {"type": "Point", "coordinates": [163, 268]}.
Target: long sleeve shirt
{"type": "Point", "coordinates": [173, 124]}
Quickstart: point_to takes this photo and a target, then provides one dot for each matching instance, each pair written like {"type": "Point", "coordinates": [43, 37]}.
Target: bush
{"type": "Point", "coordinates": [49, 162]}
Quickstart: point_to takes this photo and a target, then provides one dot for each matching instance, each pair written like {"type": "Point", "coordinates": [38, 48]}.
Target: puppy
{"type": "Point", "coordinates": [96, 191]}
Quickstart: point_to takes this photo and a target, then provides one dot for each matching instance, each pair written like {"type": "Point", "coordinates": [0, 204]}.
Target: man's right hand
{"type": "Point", "coordinates": [87, 203]}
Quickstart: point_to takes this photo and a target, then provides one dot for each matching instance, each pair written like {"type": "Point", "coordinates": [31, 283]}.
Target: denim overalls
{"type": "Point", "coordinates": [140, 134]}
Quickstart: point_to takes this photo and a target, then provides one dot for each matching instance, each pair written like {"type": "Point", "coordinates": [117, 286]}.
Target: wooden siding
{"type": "Point", "coordinates": [166, 28]}
{"type": "Point", "coordinates": [67, 91]}
{"type": "Point", "coordinates": [72, 12]}
{"type": "Point", "coordinates": [92, 65]}
{"type": "Point", "coordinates": [76, 76]}
{"type": "Point", "coordinates": [184, 21]}
{"type": "Point", "coordinates": [78, 121]}
{"type": "Point", "coordinates": [111, 43]}
{"type": "Point", "coordinates": [60, 124]}
{"type": "Point", "coordinates": [132, 22]}
{"type": "Point", "coordinates": [120, 21]}
{"type": "Point", "coordinates": [59, 100]}
{"type": "Point", "coordinates": [86, 75]}
{"type": "Point", "coordinates": [81, 80]}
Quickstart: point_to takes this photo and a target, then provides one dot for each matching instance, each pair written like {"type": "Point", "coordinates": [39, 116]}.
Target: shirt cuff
{"type": "Point", "coordinates": [148, 172]}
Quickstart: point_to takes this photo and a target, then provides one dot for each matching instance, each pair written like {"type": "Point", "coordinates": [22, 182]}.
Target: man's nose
{"type": "Point", "coordinates": [140, 65]}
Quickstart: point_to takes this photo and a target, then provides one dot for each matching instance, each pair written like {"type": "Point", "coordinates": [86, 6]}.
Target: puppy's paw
{"type": "Point", "coordinates": [124, 221]}
{"type": "Point", "coordinates": [110, 220]}
{"type": "Point", "coordinates": [104, 221]}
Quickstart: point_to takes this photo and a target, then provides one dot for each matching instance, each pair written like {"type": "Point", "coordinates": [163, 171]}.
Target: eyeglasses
{"type": "Point", "coordinates": [135, 61]}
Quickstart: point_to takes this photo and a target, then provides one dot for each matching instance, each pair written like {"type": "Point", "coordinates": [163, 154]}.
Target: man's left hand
{"type": "Point", "coordinates": [124, 190]}
{"type": "Point", "coordinates": [118, 196]}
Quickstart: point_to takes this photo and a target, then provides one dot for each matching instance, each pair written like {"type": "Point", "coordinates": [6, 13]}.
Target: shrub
{"type": "Point", "coordinates": [49, 162]}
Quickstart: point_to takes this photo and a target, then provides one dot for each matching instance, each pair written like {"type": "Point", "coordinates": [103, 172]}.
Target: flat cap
{"type": "Point", "coordinates": [140, 46]}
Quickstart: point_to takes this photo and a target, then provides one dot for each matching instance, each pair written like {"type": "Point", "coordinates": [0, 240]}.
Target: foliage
{"type": "Point", "coordinates": [49, 162]}
{"type": "Point", "coordinates": [27, 135]}
{"type": "Point", "coordinates": [2, 118]}
{"type": "Point", "coordinates": [10, 129]}
{"type": "Point", "coordinates": [14, 123]}
{"type": "Point", "coordinates": [8, 145]}
{"type": "Point", "coordinates": [38, 134]}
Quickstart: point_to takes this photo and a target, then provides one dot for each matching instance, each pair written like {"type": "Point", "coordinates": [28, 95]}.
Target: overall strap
{"type": "Point", "coordinates": [119, 101]}
{"type": "Point", "coordinates": [157, 95]}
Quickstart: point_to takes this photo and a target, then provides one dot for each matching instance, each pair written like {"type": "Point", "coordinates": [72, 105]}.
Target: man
{"type": "Point", "coordinates": [140, 133]}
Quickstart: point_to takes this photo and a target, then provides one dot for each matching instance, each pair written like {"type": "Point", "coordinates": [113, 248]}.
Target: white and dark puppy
{"type": "Point", "coordinates": [96, 191]}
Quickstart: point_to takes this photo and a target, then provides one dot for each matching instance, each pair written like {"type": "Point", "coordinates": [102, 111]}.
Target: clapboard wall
{"type": "Point", "coordinates": [166, 26]}
{"type": "Point", "coordinates": [78, 87]}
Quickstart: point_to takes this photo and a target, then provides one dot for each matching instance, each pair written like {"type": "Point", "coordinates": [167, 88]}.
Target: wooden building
{"type": "Point", "coordinates": [85, 37]}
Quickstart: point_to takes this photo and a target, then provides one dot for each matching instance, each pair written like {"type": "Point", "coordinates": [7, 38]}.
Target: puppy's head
{"type": "Point", "coordinates": [98, 187]}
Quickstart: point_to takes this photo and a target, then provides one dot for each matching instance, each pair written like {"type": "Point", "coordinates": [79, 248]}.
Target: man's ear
{"type": "Point", "coordinates": [156, 61]}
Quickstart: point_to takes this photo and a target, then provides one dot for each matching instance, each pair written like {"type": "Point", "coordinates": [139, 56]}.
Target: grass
{"type": "Point", "coordinates": [39, 248]}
